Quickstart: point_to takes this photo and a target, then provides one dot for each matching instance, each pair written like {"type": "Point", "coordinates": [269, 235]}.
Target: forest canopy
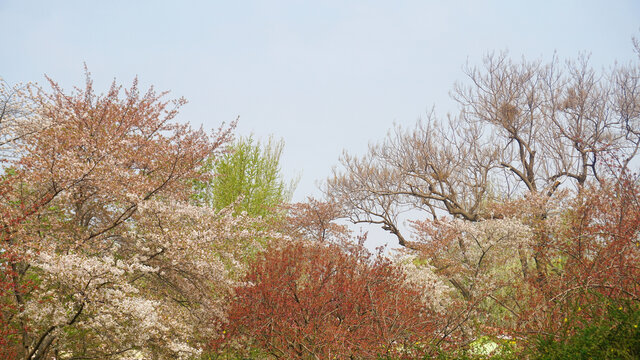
{"type": "Point", "coordinates": [127, 234]}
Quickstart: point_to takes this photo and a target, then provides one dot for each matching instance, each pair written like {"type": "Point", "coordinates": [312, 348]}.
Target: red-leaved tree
{"type": "Point", "coordinates": [595, 253]}
{"type": "Point", "coordinates": [308, 300]}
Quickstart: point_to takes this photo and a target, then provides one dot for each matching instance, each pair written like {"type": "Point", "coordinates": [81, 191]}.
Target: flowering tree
{"type": "Point", "coordinates": [107, 257]}
{"type": "Point", "coordinates": [588, 242]}
{"type": "Point", "coordinates": [483, 271]}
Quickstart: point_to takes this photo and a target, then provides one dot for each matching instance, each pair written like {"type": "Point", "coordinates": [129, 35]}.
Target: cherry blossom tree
{"type": "Point", "coordinates": [108, 259]}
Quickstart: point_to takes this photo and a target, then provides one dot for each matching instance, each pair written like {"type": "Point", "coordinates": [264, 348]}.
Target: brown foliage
{"type": "Point", "coordinates": [595, 253]}
{"type": "Point", "coordinates": [308, 300]}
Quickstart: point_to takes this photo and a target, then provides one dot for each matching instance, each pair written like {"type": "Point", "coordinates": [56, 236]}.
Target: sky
{"type": "Point", "coordinates": [324, 76]}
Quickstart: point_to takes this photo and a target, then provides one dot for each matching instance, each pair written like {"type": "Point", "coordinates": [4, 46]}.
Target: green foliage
{"type": "Point", "coordinates": [484, 348]}
{"type": "Point", "coordinates": [249, 174]}
{"type": "Point", "coordinates": [613, 335]}
{"type": "Point", "coordinates": [245, 353]}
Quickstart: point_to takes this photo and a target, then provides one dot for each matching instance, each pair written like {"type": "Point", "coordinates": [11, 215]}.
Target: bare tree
{"type": "Point", "coordinates": [522, 127]}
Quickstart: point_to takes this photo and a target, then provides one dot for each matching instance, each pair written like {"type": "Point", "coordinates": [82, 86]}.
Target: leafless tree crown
{"type": "Point", "coordinates": [521, 127]}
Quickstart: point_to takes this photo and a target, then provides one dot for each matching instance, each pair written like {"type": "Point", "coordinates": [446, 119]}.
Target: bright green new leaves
{"type": "Point", "coordinates": [248, 175]}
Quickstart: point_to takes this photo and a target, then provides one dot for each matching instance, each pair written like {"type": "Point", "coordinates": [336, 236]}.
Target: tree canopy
{"type": "Point", "coordinates": [249, 173]}
{"type": "Point", "coordinates": [102, 254]}
{"type": "Point", "coordinates": [126, 234]}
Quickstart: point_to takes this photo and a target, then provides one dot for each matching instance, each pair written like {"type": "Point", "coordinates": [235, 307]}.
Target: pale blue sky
{"type": "Point", "coordinates": [323, 75]}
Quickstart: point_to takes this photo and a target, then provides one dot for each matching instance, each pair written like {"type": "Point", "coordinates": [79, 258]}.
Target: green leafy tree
{"type": "Point", "coordinates": [248, 175]}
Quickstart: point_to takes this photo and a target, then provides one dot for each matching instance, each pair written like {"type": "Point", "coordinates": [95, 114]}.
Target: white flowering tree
{"type": "Point", "coordinates": [102, 252]}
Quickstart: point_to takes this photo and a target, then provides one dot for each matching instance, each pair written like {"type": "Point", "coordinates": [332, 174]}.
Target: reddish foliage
{"type": "Point", "coordinates": [598, 252]}
{"type": "Point", "coordinates": [315, 220]}
{"type": "Point", "coordinates": [582, 252]}
{"type": "Point", "coordinates": [8, 286]}
{"type": "Point", "coordinates": [310, 300]}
